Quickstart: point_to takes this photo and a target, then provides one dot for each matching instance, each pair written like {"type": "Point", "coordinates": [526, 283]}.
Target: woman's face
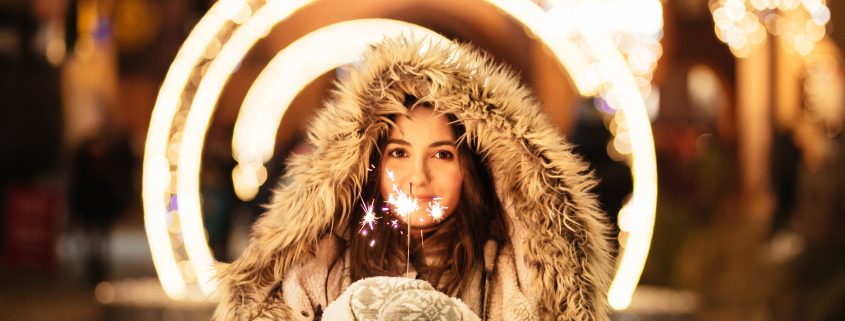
{"type": "Point", "coordinates": [421, 152]}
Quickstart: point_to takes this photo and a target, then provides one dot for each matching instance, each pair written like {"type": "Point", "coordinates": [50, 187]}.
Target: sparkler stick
{"type": "Point", "coordinates": [408, 263]}
{"type": "Point", "coordinates": [405, 205]}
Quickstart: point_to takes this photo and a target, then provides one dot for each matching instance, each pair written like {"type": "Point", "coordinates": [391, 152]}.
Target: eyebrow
{"type": "Point", "coordinates": [434, 144]}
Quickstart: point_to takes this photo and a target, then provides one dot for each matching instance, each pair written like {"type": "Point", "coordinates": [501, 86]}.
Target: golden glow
{"type": "Point", "coordinates": [824, 99]}
{"type": "Point", "coordinates": [157, 180]}
{"type": "Point", "coordinates": [589, 53]}
{"type": "Point", "coordinates": [196, 125]}
{"type": "Point", "coordinates": [613, 77]}
{"type": "Point", "coordinates": [639, 211]}
{"type": "Point", "coordinates": [742, 24]}
{"type": "Point", "coordinates": [635, 28]}
{"type": "Point", "coordinates": [104, 292]}
{"type": "Point", "coordinates": [55, 51]}
{"type": "Point", "coordinates": [559, 40]}
{"type": "Point", "coordinates": [247, 178]}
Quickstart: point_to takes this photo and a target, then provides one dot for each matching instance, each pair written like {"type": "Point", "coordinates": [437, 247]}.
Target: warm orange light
{"type": "Point", "coordinates": [173, 155]}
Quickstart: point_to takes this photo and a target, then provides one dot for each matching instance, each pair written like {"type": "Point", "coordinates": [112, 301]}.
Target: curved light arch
{"type": "Point", "coordinates": [157, 175]}
{"type": "Point", "coordinates": [620, 89]}
{"type": "Point", "coordinates": [274, 89]}
{"type": "Point", "coordinates": [600, 69]}
{"type": "Point", "coordinates": [196, 125]}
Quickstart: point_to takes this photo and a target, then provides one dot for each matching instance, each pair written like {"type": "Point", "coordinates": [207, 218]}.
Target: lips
{"type": "Point", "coordinates": [426, 197]}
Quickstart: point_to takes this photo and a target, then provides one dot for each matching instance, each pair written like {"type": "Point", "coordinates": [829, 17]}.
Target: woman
{"type": "Point", "coordinates": [503, 228]}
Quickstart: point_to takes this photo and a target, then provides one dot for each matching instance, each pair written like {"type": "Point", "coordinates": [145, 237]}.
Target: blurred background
{"type": "Point", "coordinates": [745, 101]}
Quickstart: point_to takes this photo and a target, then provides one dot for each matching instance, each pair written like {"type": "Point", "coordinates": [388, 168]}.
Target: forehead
{"type": "Point", "coordinates": [422, 124]}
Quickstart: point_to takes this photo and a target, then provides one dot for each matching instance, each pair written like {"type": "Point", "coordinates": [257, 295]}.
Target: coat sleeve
{"type": "Point", "coordinates": [282, 301]}
{"type": "Point", "coordinates": [298, 296]}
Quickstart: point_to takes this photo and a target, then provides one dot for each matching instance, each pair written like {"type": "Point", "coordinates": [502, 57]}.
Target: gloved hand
{"type": "Point", "coordinates": [396, 299]}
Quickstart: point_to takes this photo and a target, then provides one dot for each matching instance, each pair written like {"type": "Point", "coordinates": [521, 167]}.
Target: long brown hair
{"type": "Point", "coordinates": [454, 248]}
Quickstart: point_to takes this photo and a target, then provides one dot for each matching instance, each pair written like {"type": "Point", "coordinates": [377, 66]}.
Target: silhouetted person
{"type": "Point", "coordinates": [100, 191]}
{"type": "Point", "coordinates": [786, 161]}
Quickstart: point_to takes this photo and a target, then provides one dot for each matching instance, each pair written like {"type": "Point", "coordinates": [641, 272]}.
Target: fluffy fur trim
{"type": "Point", "coordinates": [544, 186]}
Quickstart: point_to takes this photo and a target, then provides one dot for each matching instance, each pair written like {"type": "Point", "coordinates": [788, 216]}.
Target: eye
{"type": "Point", "coordinates": [397, 153]}
{"type": "Point", "coordinates": [444, 154]}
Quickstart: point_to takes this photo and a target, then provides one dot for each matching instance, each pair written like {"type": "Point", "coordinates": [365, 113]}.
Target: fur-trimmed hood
{"type": "Point", "coordinates": [543, 186]}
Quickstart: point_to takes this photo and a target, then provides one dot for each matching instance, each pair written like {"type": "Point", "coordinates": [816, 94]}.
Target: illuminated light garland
{"type": "Point", "coordinates": [822, 87]}
{"type": "Point", "coordinates": [157, 174]}
{"type": "Point", "coordinates": [196, 125]}
{"type": "Point", "coordinates": [635, 27]}
{"type": "Point", "coordinates": [616, 81]}
{"type": "Point", "coordinates": [600, 68]}
{"type": "Point", "coordinates": [743, 24]}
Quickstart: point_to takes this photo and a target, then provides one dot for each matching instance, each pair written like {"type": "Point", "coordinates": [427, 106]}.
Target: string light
{"type": "Point", "coordinates": [620, 45]}
{"type": "Point", "coordinates": [743, 24]}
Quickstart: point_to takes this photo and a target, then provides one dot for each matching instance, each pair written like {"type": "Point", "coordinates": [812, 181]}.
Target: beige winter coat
{"type": "Point", "coordinates": [557, 266]}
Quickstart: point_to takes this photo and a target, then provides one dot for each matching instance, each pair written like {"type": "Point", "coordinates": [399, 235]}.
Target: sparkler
{"type": "Point", "coordinates": [404, 205]}
{"type": "Point", "coordinates": [370, 217]}
{"type": "Point", "coordinates": [436, 210]}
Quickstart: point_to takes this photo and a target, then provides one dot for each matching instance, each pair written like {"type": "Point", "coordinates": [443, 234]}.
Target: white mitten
{"type": "Point", "coordinates": [396, 299]}
{"type": "Point", "coordinates": [419, 305]}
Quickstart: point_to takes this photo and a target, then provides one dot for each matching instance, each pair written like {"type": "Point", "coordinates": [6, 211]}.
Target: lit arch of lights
{"type": "Point", "coordinates": [743, 24]}
{"type": "Point", "coordinates": [222, 38]}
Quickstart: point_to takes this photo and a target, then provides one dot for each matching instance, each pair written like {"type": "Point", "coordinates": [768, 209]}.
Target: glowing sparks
{"type": "Point", "coordinates": [370, 217]}
{"type": "Point", "coordinates": [402, 203]}
{"type": "Point", "coordinates": [436, 210]}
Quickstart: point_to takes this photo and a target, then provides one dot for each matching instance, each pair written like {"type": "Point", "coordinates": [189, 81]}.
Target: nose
{"type": "Point", "coordinates": [420, 175]}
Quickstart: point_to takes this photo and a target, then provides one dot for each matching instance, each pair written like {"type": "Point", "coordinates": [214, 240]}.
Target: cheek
{"type": "Point", "coordinates": [456, 186]}
{"type": "Point", "coordinates": [385, 186]}
{"type": "Point", "coordinates": [451, 186]}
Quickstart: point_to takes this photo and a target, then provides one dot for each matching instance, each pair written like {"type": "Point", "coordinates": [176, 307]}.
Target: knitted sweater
{"type": "Point", "coordinates": [557, 265]}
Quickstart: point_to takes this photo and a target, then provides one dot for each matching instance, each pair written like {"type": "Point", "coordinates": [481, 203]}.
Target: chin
{"type": "Point", "coordinates": [426, 222]}
{"type": "Point", "coordinates": [417, 222]}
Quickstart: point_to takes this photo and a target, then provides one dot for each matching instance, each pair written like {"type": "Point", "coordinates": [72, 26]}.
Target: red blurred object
{"type": "Point", "coordinates": [31, 228]}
